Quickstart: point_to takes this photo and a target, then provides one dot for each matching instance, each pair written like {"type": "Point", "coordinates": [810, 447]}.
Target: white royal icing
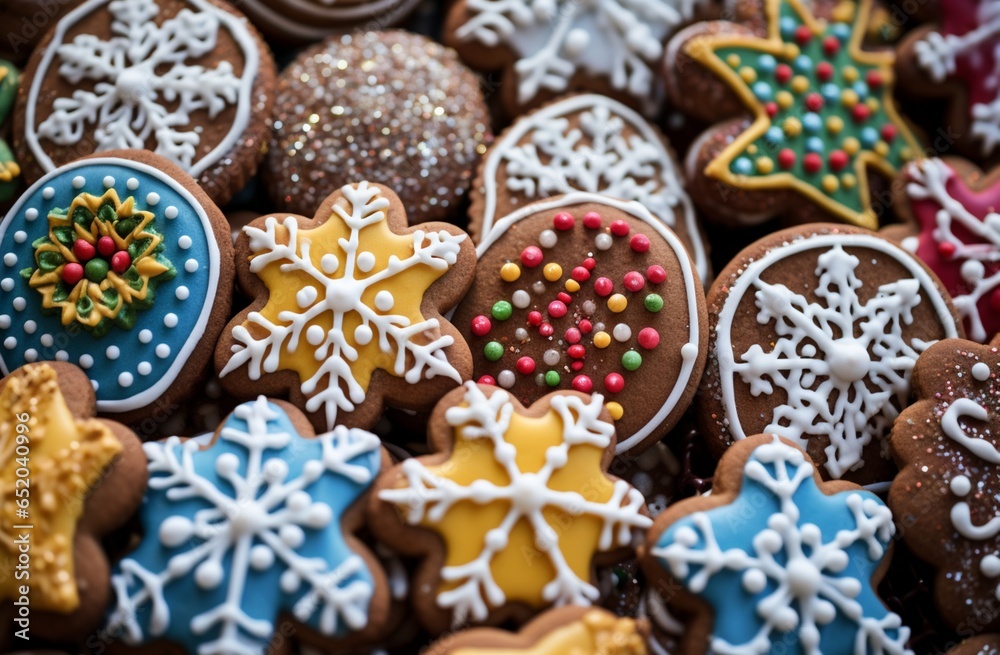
{"type": "Point", "coordinates": [429, 497]}
{"type": "Point", "coordinates": [596, 158]}
{"type": "Point", "coordinates": [817, 360]}
{"type": "Point", "coordinates": [692, 284]}
{"type": "Point", "coordinates": [146, 84]}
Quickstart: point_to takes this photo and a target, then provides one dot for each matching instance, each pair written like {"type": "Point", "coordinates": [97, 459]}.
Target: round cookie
{"type": "Point", "coordinates": [545, 50]}
{"type": "Point", "coordinates": [305, 21]}
{"type": "Point", "coordinates": [984, 645]}
{"type": "Point", "coordinates": [248, 540]}
{"type": "Point", "coordinates": [121, 264]}
{"type": "Point", "coordinates": [347, 309]}
{"type": "Point", "coordinates": [594, 294]}
{"type": "Point", "coordinates": [388, 107]}
{"type": "Point", "coordinates": [190, 80]}
{"type": "Point", "coordinates": [586, 143]}
{"type": "Point", "coordinates": [67, 480]}
{"type": "Point", "coordinates": [511, 511]}
{"type": "Point", "coordinates": [814, 333]}
{"type": "Point", "coordinates": [775, 555]}
{"type": "Point", "coordinates": [805, 115]}
{"type": "Point", "coordinates": [10, 170]}
{"type": "Point", "coordinates": [951, 222]}
{"type": "Point", "coordinates": [945, 496]}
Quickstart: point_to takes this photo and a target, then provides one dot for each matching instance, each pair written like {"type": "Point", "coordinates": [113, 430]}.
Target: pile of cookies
{"type": "Point", "coordinates": [311, 312]}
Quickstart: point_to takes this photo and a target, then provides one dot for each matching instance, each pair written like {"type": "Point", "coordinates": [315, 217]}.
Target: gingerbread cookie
{"type": "Point", "coordinates": [609, 47]}
{"type": "Point", "coordinates": [945, 494]}
{"type": "Point", "coordinates": [984, 645]}
{"type": "Point", "coordinates": [775, 556]}
{"type": "Point", "coordinates": [814, 333]}
{"type": "Point", "coordinates": [577, 630]}
{"type": "Point", "coordinates": [586, 143]}
{"type": "Point", "coordinates": [66, 481]}
{"type": "Point", "coordinates": [190, 80]}
{"type": "Point", "coordinates": [822, 116]}
{"type": "Point", "coordinates": [10, 171]}
{"type": "Point", "coordinates": [593, 294]}
{"type": "Point", "coordinates": [248, 525]}
{"type": "Point", "coordinates": [511, 511]}
{"type": "Point", "coordinates": [956, 58]}
{"type": "Point", "coordinates": [389, 107]}
{"type": "Point", "coordinates": [121, 264]}
{"type": "Point", "coordinates": [304, 21]}
{"type": "Point", "coordinates": [951, 213]}
{"type": "Point", "coordinates": [347, 309]}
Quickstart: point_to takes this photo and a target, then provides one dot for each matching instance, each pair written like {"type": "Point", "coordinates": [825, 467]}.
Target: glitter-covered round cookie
{"type": "Point", "coordinates": [387, 107]}
{"type": "Point", "coordinates": [588, 293]}
{"type": "Point", "coordinates": [190, 80]}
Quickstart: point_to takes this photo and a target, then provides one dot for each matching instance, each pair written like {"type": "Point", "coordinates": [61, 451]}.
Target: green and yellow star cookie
{"type": "Point", "coordinates": [10, 172]}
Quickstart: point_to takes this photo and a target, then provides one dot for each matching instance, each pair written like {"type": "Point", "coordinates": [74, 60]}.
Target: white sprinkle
{"type": "Point", "coordinates": [48, 193]}
{"type": "Point", "coordinates": [547, 238]}
{"type": "Point", "coordinates": [622, 332]}
{"type": "Point", "coordinates": [30, 327]}
{"type": "Point", "coordinates": [10, 343]}
{"type": "Point", "coordinates": [95, 384]}
{"type": "Point", "coordinates": [184, 242]}
{"type": "Point", "coordinates": [46, 340]}
{"type": "Point", "coordinates": [981, 371]}
{"type": "Point", "coordinates": [10, 259]}
{"type": "Point", "coordinates": [86, 361]}
{"type": "Point", "coordinates": [163, 351]}
{"type": "Point", "coordinates": [62, 356]}
{"type": "Point", "coordinates": [170, 212]}
{"type": "Point", "coordinates": [151, 199]}
{"type": "Point", "coordinates": [191, 265]}
{"type": "Point", "coordinates": [521, 299]}
{"type": "Point", "coordinates": [31, 214]}
{"type": "Point", "coordinates": [132, 184]}
{"type": "Point", "coordinates": [30, 355]}
{"type": "Point", "coordinates": [78, 182]}
{"type": "Point", "coordinates": [182, 293]}
{"type": "Point", "coordinates": [144, 368]}
{"type": "Point", "coordinates": [506, 379]}
{"type": "Point", "coordinates": [603, 241]}
{"type": "Point", "coordinates": [20, 236]}
{"type": "Point", "coordinates": [125, 379]}
{"type": "Point", "coordinates": [109, 182]}
{"type": "Point", "coordinates": [19, 304]}
{"type": "Point", "coordinates": [7, 284]}
{"type": "Point", "coordinates": [145, 336]}
{"type": "Point", "coordinates": [4, 321]}
{"type": "Point", "coordinates": [170, 320]}
{"type": "Point", "coordinates": [112, 352]}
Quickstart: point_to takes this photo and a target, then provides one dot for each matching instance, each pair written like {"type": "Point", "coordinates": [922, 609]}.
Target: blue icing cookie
{"type": "Point", "coordinates": [785, 566]}
{"type": "Point", "coordinates": [245, 530]}
{"type": "Point", "coordinates": [151, 319]}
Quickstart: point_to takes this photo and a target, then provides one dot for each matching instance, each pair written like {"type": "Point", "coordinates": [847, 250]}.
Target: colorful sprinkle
{"type": "Point", "coordinates": [634, 281]}
{"type": "Point", "coordinates": [509, 272]}
{"type": "Point", "coordinates": [764, 165]}
{"type": "Point", "coordinates": [548, 239]}
{"type": "Point", "coordinates": [656, 274]}
{"type": "Point", "coordinates": [615, 409]}
{"type": "Point", "coordinates": [493, 351]}
{"type": "Point", "coordinates": [576, 351]}
{"type": "Point", "coordinates": [552, 378]}
{"type": "Point", "coordinates": [502, 310]}
{"type": "Point", "coordinates": [648, 338]}
{"type": "Point", "coordinates": [592, 220]}
{"type": "Point", "coordinates": [580, 274]}
{"type": "Point", "coordinates": [488, 380]}
{"type": "Point", "coordinates": [481, 326]}
{"type": "Point", "coordinates": [557, 309]}
{"type": "Point", "coordinates": [614, 382]}
{"type": "Point", "coordinates": [583, 384]}
{"type": "Point", "coordinates": [535, 318]}
{"type": "Point", "coordinates": [653, 302]}
{"type": "Point", "coordinates": [572, 335]}
{"type": "Point", "coordinates": [617, 303]}
{"type": "Point", "coordinates": [602, 339]}
{"type": "Point", "coordinates": [603, 286]}
{"type": "Point", "coordinates": [572, 286]}
{"type": "Point", "coordinates": [552, 272]}
{"type": "Point", "coordinates": [619, 228]}
{"type": "Point", "coordinates": [631, 360]}
{"type": "Point", "coordinates": [639, 243]}
{"type": "Point", "coordinates": [531, 256]}
{"type": "Point", "coordinates": [622, 332]}
{"type": "Point", "coordinates": [525, 366]}
{"type": "Point", "coordinates": [563, 221]}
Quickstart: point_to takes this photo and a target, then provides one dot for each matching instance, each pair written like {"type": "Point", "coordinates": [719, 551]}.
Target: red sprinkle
{"type": "Point", "coordinates": [639, 243]}
{"type": "Point", "coordinates": [860, 113]}
{"type": "Point", "coordinates": [525, 366]}
{"type": "Point", "coordinates": [120, 261]}
{"type": "Point", "coordinates": [874, 79]}
{"type": "Point", "coordinates": [84, 250]}
{"type": "Point", "coordinates": [564, 297]}
{"type": "Point", "coordinates": [572, 335]}
{"type": "Point", "coordinates": [592, 220]}
{"type": "Point", "coordinates": [580, 274]}
{"type": "Point", "coordinates": [576, 351]}
{"type": "Point", "coordinates": [771, 108]}
{"type": "Point", "coordinates": [557, 309]}
{"type": "Point", "coordinates": [831, 45]}
{"type": "Point", "coordinates": [812, 162]}
{"type": "Point", "coordinates": [106, 246]}
{"type": "Point", "coordinates": [656, 274]}
{"type": "Point", "coordinates": [634, 281]}
{"type": "Point", "coordinates": [563, 221]}
{"type": "Point", "coordinates": [783, 73]}
{"type": "Point", "coordinates": [946, 249]}
{"type": "Point", "coordinates": [614, 382]}
{"type": "Point", "coordinates": [814, 102]}
{"type": "Point", "coordinates": [889, 132]}
{"type": "Point", "coordinates": [603, 286]}
{"type": "Point", "coordinates": [619, 228]}
{"type": "Point", "coordinates": [583, 384]}
{"type": "Point", "coordinates": [531, 256]}
{"type": "Point", "coordinates": [586, 326]}
{"type": "Point", "coordinates": [649, 338]}
{"type": "Point", "coordinates": [72, 273]}
{"type": "Point", "coordinates": [803, 34]}
{"type": "Point", "coordinates": [535, 318]}
{"type": "Point", "coordinates": [546, 330]}
{"type": "Point", "coordinates": [824, 71]}
{"type": "Point", "coordinates": [786, 158]}
{"type": "Point", "coordinates": [487, 380]}
{"type": "Point", "coordinates": [481, 326]}
{"type": "Point", "coordinates": [589, 263]}
{"type": "Point", "coordinates": [838, 160]}
{"type": "Point", "coordinates": [576, 365]}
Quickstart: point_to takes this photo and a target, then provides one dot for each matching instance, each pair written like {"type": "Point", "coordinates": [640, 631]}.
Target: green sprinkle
{"type": "Point", "coordinates": [631, 360]}
{"type": "Point", "coordinates": [653, 302]}
{"type": "Point", "coordinates": [493, 351]}
{"type": "Point", "coordinates": [502, 310]}
{"type": "Point", "coordinates": [552, 379]}
{"type": "Point", "coordinates": [96, 269]}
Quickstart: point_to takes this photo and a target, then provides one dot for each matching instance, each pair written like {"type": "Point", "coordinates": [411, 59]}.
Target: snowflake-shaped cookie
{"type": "Point", "coordinates": [510, 487]}
{"type": "Point", "coordinates": [824, 362]}
{"type": "Point", "coordinates": [955, 230]}
{"type": "Point", "coordinates": [777, 557]}
{"type": "Point", "coordinates": [553, 46]}
{"type": "Point", "coordinates": [145, 86]}
{"type": "Point", "coordinates": [343, 295]}
{"type": "Point", "coordinates": [946, 494]}
{"type": "Point", "coordinates": [248, 527]}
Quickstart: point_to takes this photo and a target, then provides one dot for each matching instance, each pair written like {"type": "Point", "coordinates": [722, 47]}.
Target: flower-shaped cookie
{"type": "Point", "coordinates": [256, 523]}
{"type": "Point", "coordinates": [66, 481]}
{"type": "Point", "coordinates": [947, 445]}
{"type": "Point", "coordinates": [823, 115]}
{"type": "Point", "coordinates": [777, 556]}
{"type": "Point", "coordinates": [513, 508]}
{"type": "Point", "coordinates": [347, 309]}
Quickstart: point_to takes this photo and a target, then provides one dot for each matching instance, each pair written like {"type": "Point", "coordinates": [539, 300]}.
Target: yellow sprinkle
{"type": "Point", "coordinates": [792, 126]}
{"type": "Point", "coordinates": [784, 99]}
{"type": "Point", "coordinates": [617, 303]}
{"type": "Point", "coordinates": [616, 410]}
{"type": "Point", "coordinates": [752, 149]}
{"type": "Point", "coordinates": [834, 124]}
{"type": "Point", "coordinates": [552, 272]}
{"type": "Point", "coordinates": [872, 103]}
{"type": "Point", "coordinates": [851, 145]}
{"type": "Point", "coordinates": [572, 285]}
{"type": "Point", "coordinates": [791, 51]}
{"type": "Point", "coordinates": [843, 12]}
{"type": "Point", "coordinates": [848, 98]}
{"type": "Point", "coordinates": [850, 73]}
{"type": "Point", "coordinates": [881, 148]}
{"type": "Point", "coordinates": [748, 74]}
{"type": "Point", "coordinates": [733, 60]}
{"type": "Point", "coordinates": [800, 83]}
{"type": "Point", "coordinates": [830, 183]}
{"type": "Point", "coordinates": [510, 272]}
{"type": "Point", "coordinates": [602, 339]}
{"type": "Point", "coordinates": [906, 153]}
{"type": "Point", "coordinates": [764, 165]}
{"type": "Point", "coordinates": [848, 180]}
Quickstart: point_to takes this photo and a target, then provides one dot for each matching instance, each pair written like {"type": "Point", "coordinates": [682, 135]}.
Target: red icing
{"type": "Point", "coordinates": [975, 67]}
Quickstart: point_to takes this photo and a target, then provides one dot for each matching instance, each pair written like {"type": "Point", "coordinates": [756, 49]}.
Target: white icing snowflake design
{"type": "Point", "coordinates": [244, 530]}
{"type": "Point", "coordinates": [617, 39]}
{"type": "Point", "coordinates": [799, 576]}
{"type": "Point", "coordinates": [144, 87]}
{"type": "Point", "coordinates": [938, 54]}
{"type": "Point", "coordinates": [333, 298]}
{"type": "Point", "coordinates": [429, 497]}
{"type": "Point", "coordinates": [841, 363]}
